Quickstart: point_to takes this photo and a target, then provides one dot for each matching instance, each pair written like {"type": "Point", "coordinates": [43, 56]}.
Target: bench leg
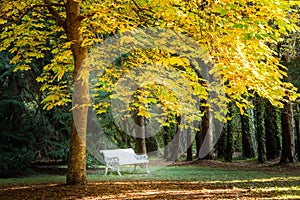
{"type": "Point", "coordinates": [119, 172]}
{"type": "Point", "coordinates": [147, 168]}
{"type": "Point", "coordinates": [106, 170]}
{"type": "Point", "coordinates": [143, 166]}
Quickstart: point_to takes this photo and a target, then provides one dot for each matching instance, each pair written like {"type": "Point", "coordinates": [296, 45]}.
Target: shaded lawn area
{"type": "Point", "coordinates": [201, 181]}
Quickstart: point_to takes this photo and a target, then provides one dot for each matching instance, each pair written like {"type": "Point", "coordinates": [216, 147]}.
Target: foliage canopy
{"type": "Point", "coordinates": [238, 36]}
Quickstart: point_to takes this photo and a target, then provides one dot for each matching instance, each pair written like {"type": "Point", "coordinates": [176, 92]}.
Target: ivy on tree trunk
{"type": "Point", "coordinates": [247, 144]}
{"type": "Point", "coordinates": [272, 132]}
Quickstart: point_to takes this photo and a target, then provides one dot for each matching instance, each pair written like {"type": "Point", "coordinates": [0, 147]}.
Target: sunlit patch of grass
{"type": "Point", "coordinates": [292, 196]}
{"type": "Point", "coordinates": [193, 173]}
{"type": "Point", "coordinates": [212, 177]}
{"type": "Point", "coordinates": [285, 178]}
{"type": "Point", "coordinates": [281, 192]}
{"type": "Point", "coordinates": [255, 182]}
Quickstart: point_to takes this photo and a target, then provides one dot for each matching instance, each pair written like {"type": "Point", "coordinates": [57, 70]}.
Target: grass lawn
{"type": "Point", "coordinates": [175, 182]}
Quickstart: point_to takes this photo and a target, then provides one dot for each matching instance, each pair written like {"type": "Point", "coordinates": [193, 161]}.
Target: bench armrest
{"type": "Point", "coordinates": [141, 157]}
{"type": "Point", "coordinates": [112, 162]}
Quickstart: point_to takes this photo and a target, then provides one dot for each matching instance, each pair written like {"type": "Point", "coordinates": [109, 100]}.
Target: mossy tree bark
{"type": "Point", "coordinates": [247, 144]}
{"type": "Point", "coordinates": [272, 132]}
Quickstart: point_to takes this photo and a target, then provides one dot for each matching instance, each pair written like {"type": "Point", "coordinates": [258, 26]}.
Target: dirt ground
{"type": "Point", "coordinates": [130, 190]}
{"type": "Point", "coordinates": [158, 189]}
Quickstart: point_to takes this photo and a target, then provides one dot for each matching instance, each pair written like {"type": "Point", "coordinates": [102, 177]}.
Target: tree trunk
{"type": "Point", "coordinates": [206, 137]}
{"type": "Point", "coordinates": [189, 153]}
{"type": "Point", "coordinates": [253, 129]}
{"type": "Point", "coordinates": [175, 147]}
{"type": "Point", "coordinates": [288, 144]}
{"type": "Point", "coordinates": [229, 143]}
{"type": "Point", "coordinates": [198, 141]}
{"type": "Point", "coordinates": [297, 126]}
{"type": "Point", "coordinates": [272, 132]}
{"type": "Point", "coordinates": [15, 110]}
{"type": "Point", "coordinates": [77, 156]}
{"type": "Point", "coordinates": [221, 144]}
{"type": "Point", "coordinates": [140, 135]}
{"type": "Point", "coordinates": [260, 130]}
{"type": "Point", "coordinates": [76, 173]}
{"type": "Point", "coordinates": [151, 141]}
{"type": "Point", "coordinates": [247, 145]}
{"type": "Point", "coordinates": [176, 142]}
{"type": "Point", "coordinates": [166, 138]}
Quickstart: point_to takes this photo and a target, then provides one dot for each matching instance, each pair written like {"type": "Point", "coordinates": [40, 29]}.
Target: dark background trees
{"type": "Point", "coordinates": [28, 132]}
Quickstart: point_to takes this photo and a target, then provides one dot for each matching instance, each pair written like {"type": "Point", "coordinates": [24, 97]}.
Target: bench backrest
{"type": "Point", "coordinates": [126, 156]}
{"type": "Point", "coordinates": [118, 152]}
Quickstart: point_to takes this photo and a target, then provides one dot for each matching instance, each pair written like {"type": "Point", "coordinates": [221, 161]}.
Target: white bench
{"type": "Point", "coordinates": [114, 158]}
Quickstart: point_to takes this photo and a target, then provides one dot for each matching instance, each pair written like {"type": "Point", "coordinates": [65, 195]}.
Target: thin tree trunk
{"type": "Point", "coordinates": [253, 129]}
{"type": "Point", "coordinates": [297, 126]}
{"type": "Point", "coordinates": [260, 130]}
{"type": "Point", "coordinates": [288, 144]}
{"type": "Point", "coordinates": [151, 144]}
{"type": "Point", "coordinates": [175, 147]}
{"type": "Point", "coordinates": [272, 132]}
{"type": "Point", "coordinates": [151, 141]}
{"type": "Point", "coordinates": [198, 142]}
{"type": "Point", "coordinates": [206, 137]}
{"type": "Point", "coordinates": [229, 142]}
{"type": "Point", "coordinates": [247, 145]}
{"type": "Point", "coordinates": [189, 153]}
{"type": "Point", "coordinates": [15, 110]}
{"type": "Point", "coordinates": [221, 144]}
{"type": "Point", "coordinates": [166, 138]}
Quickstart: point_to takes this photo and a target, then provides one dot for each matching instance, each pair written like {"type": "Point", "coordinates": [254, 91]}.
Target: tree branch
{"type": "Point", "coordinates": [142, 13]}
{"type": "Point", "coordinates": [87, 15]}
{"type": "Point", "coordinates": [31, 8]}
{"type": "Point", "coordinates": [140, 8]}
{"type": "Point", "coordinates": [59, 20]}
